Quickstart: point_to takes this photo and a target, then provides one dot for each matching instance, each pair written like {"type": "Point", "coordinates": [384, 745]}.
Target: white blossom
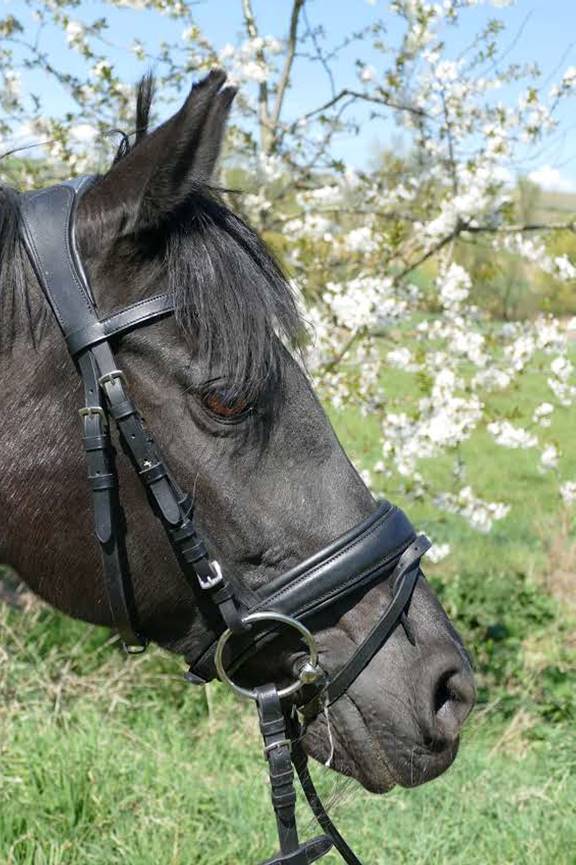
{"type": "Point", "coordinates": [83, 132]}
{"type": "Point", "coordinates": [361, 240]}
{"type": "Point", "coordinates": [562, 368]}
{"type": "Point", "coordinates": [438, 552]}
{"type": "Point", "coordinates": [101, 69]}
{"type": "Point", "coordinates": [541, 414]}
{"type": "Point", "coordinates": [564, 268]}
{"type": "Point", "coordinates": [360, 302]}
{"type": "Point", "coordinates": [402, 358]}
{"type": "Point", "coordinates": [507, 435]}
{"type": "Point", "coordinates": [76, 34]}
{"type": "Point", "coordinates": [367, 73]}
{"type": "Point", "coordinates": [479, 514]}
{"type": "Point", "coordinates": [12, 89]}
{"type": "Point", "coordinates": [549, 457]}
{"type": "Point", "coordinates": [568, 492]}
{"type": "Point", "coordinates": [492, 378]}
{"type": "Point", "coordinates": [255, 71]}
{"type": "Point", "coordinates": [454, 286]}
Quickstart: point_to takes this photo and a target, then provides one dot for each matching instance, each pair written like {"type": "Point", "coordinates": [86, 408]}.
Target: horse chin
{"type": "Point", "coordinates": [344, 749]}
{"type": "Point", "coordinates": [378, 762]}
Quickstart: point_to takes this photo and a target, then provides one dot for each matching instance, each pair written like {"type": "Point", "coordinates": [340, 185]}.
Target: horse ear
{"type": "Point", "coordinates": [144, 187]}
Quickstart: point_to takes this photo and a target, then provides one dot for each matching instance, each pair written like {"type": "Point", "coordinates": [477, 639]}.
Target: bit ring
{"type": "Point", "coordinates": [265, 616]}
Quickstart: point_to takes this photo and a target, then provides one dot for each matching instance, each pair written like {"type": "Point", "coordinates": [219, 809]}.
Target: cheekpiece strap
{"type": "Point", "coordinates": [48, 233]}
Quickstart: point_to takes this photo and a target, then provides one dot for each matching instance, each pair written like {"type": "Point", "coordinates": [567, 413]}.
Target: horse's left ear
{"type": "Point", "coordinates": [145, 187]}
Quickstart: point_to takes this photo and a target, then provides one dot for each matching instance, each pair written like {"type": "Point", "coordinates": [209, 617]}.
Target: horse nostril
{"type": "Point", "coordinates": [442, 693]}
{"type": "Point", "coordinates": [453, 699]}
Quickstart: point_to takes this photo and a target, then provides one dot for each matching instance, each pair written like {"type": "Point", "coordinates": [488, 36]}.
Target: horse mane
{"type": "Point", "coordinates": [233, 303]}
{"type": "Point", "coordinates": [13, 292]}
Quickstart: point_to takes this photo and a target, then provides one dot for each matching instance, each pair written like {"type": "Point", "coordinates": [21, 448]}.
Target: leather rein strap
{"type": "Point", "coordinates": [384, 546]}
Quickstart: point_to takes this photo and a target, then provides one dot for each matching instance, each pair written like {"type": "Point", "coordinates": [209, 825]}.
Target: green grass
{"type": "Point", "coordinates": [107, 760]}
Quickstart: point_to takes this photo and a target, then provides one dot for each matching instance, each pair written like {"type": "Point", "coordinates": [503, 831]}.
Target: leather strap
{"type": "Point", "coordinates": [361, 557]}
{"type": "Point", "coordinates": [139, 313]}
{"type": "Point", "coordinates": [171, 505]}
{"type": "Point", "coordinates": [354, 560]}
{"type": "Point", "coordinates": [108, 525]}
{"type": "Point", "coordinates": [47, 220]}
{"type": "Point", "coordinates": [404, 579]}
{"type": "Point", "coordinates": [300, 761]}
{"type": "Point", "coordinates": [277, 751]}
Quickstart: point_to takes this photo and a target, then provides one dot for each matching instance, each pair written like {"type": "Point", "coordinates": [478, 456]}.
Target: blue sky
{"type": "Point", "coordinates": [537, 30]}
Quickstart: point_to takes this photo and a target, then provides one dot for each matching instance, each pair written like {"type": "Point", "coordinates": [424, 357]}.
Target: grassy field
{"type": "Point", "coordinates": [107, 760]}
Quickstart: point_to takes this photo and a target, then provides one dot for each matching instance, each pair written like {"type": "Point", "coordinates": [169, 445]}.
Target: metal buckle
{"type": "Point", "coordinates": [215, 580]}
{"type": "Point", "coordinates": [134, 648]}
{"type": "Point", "coordinates": [265, 616]}
{"type": "Point", "coordinates": [110, 377]}
{"type": "Point", "coordinates": [88, 410]}
{"type": "Point", "coordinates": [282, 743]}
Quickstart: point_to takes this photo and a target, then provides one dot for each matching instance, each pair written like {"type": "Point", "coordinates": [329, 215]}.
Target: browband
{"type": "Point", "coordinates": [142, 312]}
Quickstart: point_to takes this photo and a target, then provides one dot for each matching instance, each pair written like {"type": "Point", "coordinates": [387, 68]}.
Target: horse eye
{"type": "Point", "coordinates": [225, 404]}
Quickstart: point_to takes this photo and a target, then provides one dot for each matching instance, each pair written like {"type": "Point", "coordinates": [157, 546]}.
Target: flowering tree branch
{"type": "Point", "coordinates": [284, 79]}
{"type": "Point", "coordinates": [354, 95]}
{"type": "Point", "coordinates": [393, 264]}
{"type": "Point", "coordinates": [263, 110]}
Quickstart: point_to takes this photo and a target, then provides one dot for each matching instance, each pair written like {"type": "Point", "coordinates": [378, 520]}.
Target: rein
{"type": "Point", "coordinates": [384, 546]}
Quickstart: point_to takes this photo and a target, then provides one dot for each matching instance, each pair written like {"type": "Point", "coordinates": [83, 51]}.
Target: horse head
{"type": "Point", "coordinates": [226, 397]}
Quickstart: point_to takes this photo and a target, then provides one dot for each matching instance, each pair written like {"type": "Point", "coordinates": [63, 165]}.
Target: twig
{"type": "Point", "coordinates": [288, 62]}
{"type": "Point", "coordinates": [320, 54]}
{"type": "Point", "coordinates": [263, 111]}
{"type": "Point", "coordinates": [519, 228]}
{"type": "Point", "coordinates": [355, 94]}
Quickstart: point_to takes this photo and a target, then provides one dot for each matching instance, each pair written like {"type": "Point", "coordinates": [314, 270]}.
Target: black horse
{"type": "Point", "coordinates": [234, 412]}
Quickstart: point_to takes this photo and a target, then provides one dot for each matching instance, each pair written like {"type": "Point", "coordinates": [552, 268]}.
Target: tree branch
{"type": "Point", "coordinates": [355, 94]}
{"type": "Point", "coordinates": [319, 55]}
{"type": "Point", "coordinates": [288, 62]}
{"type": "Point", "coordinates": [519, 228]}
{"type": "Point", "coordinates": [463, 227]}
{"type": "Point", "coordinates": [428, 254]}
{"type": "Point", "coordinates": [334, 361]}
{"type": "Point", "coordinates": [263, 110]}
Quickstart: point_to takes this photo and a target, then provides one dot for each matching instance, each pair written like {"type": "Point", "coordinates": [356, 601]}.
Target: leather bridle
{"type": "Point", "coordinates": [382, 547]}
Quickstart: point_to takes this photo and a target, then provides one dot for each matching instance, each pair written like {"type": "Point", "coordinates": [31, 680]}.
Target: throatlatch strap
{"type": "Point", "coordinates": [108, 526]}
